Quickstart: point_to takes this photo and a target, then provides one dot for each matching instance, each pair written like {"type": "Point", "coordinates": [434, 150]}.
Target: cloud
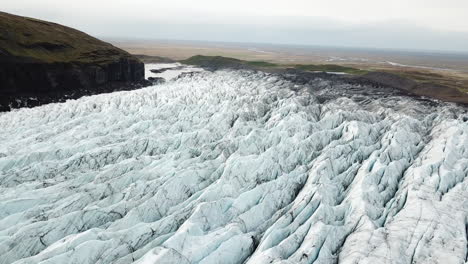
{"type": "Point", "coordinates": [428, 25]}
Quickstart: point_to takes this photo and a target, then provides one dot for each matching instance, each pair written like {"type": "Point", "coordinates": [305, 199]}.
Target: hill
{"type": "Point", "coordinates": [42, 62]}
{"type": "Point", "coordinates": [220, 62]}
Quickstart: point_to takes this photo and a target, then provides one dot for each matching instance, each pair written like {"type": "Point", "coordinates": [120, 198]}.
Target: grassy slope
{"type": "Point", "coordinates": [219, 60]}
{"type": "Point", "coordinates": [49, 42]}
{"type": "Point", "coordinates": [330, 68]}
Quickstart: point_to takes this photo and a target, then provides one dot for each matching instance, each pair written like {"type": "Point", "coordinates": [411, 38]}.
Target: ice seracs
{"type": "Point", "coordinates": [234, 167]}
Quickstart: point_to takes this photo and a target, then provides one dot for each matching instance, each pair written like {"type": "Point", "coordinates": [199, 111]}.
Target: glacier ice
{"type": "Point", "coordinates": [234, 167]}
{"type": "Point", "coordinates": [172, 71]}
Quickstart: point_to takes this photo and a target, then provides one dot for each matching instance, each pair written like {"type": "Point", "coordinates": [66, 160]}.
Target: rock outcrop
{"type": "Point", "coordinates": [43, 62]}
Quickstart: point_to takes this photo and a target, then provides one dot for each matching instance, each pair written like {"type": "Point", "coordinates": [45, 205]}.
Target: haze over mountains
{"type": "Point", "coordinates": [398, 24]}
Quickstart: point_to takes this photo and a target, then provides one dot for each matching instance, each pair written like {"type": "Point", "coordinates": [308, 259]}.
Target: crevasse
{"type": "Point", "coordinates": [234, 167]}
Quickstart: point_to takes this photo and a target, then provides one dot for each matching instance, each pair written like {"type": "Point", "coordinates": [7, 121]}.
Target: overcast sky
{"type": "Point", "coordinates": [400, 24]}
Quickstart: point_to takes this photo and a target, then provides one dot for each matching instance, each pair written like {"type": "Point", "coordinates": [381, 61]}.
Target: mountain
{"type": "Point", "coordinates": [42, 62]}
{"type": "Point", "coordinates": [236, 166]}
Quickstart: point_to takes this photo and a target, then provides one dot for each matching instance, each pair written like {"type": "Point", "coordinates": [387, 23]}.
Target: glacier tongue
{"type": "Point", "coordinates": [234, 167]}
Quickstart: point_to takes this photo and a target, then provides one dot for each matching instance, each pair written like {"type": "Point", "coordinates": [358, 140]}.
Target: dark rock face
{"type": "Point", "coordinates": [34, 71]}
{"type": "Point", "coordinates": [31, 77]}
{"type": "Point", "coordinates": [33, 84]}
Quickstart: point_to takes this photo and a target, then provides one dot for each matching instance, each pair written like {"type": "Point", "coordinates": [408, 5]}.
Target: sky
{"type": "Point", "coordinates": [440, 25]}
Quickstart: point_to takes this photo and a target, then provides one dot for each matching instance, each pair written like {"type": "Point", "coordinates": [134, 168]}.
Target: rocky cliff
{"type": "Point", "coordinates": [43, 62]}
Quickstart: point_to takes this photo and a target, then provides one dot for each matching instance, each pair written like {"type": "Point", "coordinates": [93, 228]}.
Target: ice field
{"type": "Point", "coordinates": [234, 167]}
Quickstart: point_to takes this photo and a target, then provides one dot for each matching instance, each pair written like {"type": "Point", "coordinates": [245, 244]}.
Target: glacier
{"type": "Point", "coordinates": [172, 70]}
{"type": "Point", "coordinates": [235, 167]}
